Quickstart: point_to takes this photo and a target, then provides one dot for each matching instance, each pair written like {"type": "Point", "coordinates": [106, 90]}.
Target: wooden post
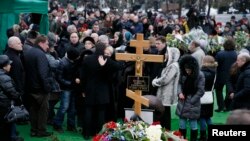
{"type": "Point", "coordinates": [139, 58]}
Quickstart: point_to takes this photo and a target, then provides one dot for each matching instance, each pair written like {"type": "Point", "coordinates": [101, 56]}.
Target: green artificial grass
{"type": "Point", "coordinates": [218, 118]}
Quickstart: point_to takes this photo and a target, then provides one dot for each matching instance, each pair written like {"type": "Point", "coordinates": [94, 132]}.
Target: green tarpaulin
{"type": "Point", "coordinates": [9, 14]}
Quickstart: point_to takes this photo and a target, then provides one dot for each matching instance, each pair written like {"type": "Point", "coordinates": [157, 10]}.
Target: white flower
{"type": "Point", "coordinates": [154, 132]}
{"type": "Point", "coordinates": [140, 126]}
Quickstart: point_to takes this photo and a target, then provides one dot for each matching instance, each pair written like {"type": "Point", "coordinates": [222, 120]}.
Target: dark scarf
{"type": "Point", "coordinates": [189, 86]}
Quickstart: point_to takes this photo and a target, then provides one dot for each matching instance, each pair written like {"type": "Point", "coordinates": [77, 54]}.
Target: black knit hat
{"type": "Point", "coordinates": [4, 60]}
{"type": "Point", "coordinates": [73, 18]}
{"type": "Point", "coordinates": [73, 53]}
{"type": "Point", "coordinates": [32, 34]}
{"type": "Point", "coordinates": [35, 27]}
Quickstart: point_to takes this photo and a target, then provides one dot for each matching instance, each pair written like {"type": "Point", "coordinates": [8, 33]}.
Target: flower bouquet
{"type": "Point", "coordinates": [195, 34]}
{"type": "Point", "coordinates": [241, 39]}
{"type": "Point", "coordinates": [176, 41]}
{"type": "Point", "coordinates": [215, 44]}
{"type": "Point", "coordinates": [135, 131]}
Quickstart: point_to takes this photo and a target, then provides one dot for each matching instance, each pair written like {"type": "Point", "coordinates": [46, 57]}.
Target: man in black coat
{"type": "Point", "coordinates": [38, 80]}
{"type": "Point", "coordinates": [225, 59]}
{"type": "Point", "coordinates": [73, 42]}
{"type": "Point", "coordinates": [193, 17]}
{"type": "Point", "coordinates": [96, 75]}
{"type": "Point", "coordinates": [154, 69]}
{"type": "Point", "coordinates": [66, 77]}
{"type": "Point", "coordinates": [29, 42]}
{"type": "Point", "coordinates": [14, 52]}
{"type": "Point", "coordinates": [166, 28]}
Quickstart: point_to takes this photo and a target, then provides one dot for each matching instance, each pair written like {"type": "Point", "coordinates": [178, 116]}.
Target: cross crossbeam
{"type": "Point", "coordinates": [139, 58]}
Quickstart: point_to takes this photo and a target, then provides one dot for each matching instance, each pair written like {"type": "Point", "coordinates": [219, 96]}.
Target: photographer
{"type": "Point", "coordinates": [193, 17]}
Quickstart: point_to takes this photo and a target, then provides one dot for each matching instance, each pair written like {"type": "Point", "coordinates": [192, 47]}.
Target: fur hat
{"type": "Point", "coordinates": [88, 39]}
{"type": "Point", "coordinates": [189, 62]}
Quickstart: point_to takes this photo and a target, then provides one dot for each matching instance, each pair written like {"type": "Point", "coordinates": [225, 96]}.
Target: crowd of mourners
{"type": "Point", "coordinates": [74, 65]}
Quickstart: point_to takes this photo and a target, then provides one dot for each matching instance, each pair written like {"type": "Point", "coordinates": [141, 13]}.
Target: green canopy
{"type": "Point", "coordinates": [9, 15]}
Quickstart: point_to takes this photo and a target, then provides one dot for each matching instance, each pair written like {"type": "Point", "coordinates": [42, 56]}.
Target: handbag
{"type": "Point", "coordinates": [17, 113]}
{"type": "Point", "coordinates": [208, 98]}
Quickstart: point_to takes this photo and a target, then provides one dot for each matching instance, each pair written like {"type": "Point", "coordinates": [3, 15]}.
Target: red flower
{"type": "Point", "coordinates": [125, 120]}
{"type": "Point", "coordinates": [170, 139]}
{"type": "Point", "coordinates": [156, 123]}
{"type": "Point", "coordinates": [97, 137]}
{"type": "Point", "coordinates": [111, 125]}
{"type": "Point", "coordinates": [177, 133]}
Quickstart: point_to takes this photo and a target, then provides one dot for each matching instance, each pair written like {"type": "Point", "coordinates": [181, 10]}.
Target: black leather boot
{"type": "Point", "coordinates": [183, 132]}
{"type": "Point", "coordinates": [194, 134]}
{"type": "Point", "coordinates": [203, 136]}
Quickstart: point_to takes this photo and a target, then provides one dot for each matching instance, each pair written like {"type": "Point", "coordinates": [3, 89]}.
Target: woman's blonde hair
{"type": "Point", "coordinates": [209, 60]}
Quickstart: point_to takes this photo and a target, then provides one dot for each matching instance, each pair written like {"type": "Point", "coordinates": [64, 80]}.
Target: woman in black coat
{"type": "Point", "coordinates": [209, 70]}
{"type": "Point", "coordinates": [241, 97]}
{"type": "Point", "coordinates": [7, 93]}
{"type": "Point", "coordinates": [191, 88]}
{"type": "Point", "coordinates": [231, 86]}
{"type": "Point", "coordinates": [96, 72]}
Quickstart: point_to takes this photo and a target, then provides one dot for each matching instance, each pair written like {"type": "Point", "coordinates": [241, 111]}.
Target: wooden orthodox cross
{"type": "Point", "coordinates": [139, 57]}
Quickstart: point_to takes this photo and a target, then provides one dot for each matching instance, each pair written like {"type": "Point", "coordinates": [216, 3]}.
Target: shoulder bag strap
{"type": "Point", "coordinates": [214, 82]}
